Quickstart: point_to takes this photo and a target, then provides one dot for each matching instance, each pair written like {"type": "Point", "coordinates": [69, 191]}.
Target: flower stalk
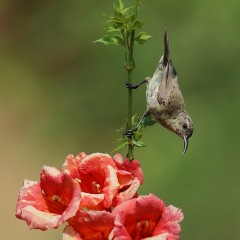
{"type": "Point", "coordinates": [124, 22]}
{"type": "Point", "coordinates": [130, 66]}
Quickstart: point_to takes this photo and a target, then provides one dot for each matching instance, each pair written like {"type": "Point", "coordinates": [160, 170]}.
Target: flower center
{"type": "Point", "coordinates": [56, 204]}
{"type": "Point", "coordinates": [97, 187]}
{"type": "Point", "coordinates": [142, 229]}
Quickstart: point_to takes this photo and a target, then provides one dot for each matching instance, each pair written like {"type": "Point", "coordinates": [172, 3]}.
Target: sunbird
{"type": "Point", "coordinates": [164, 99]}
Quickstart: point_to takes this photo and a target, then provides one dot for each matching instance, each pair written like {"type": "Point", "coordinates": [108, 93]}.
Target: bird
{"type": "Point", "coordinates": [165, 101]}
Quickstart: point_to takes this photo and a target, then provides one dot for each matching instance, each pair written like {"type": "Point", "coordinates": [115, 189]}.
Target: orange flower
{"type": "Point", "coordinates": [84, 193]}
{"type": "Point", "coordinates": [51, 202]}
{"type": "Point", "coordinates": [104, 181]}
{"type": "Point", "coordinates": [146, 217]}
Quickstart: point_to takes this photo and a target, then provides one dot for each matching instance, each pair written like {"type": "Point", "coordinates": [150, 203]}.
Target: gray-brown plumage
{"type": "Point", "coordinates": [164, 98]}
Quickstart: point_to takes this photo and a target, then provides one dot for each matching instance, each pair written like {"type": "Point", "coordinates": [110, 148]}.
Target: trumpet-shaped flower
{"type": "Point", "coordinates": [51, 202]}
{"type": "Point", "coordinates": [146, 217]}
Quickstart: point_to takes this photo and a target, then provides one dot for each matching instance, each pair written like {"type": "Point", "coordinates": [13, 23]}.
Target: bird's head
{"type": "Point", "coordinates": [182, 125]}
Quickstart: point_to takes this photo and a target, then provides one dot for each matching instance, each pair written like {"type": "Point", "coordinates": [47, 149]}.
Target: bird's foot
{"type": "Point", "coordinates": [128, 132]}
{"type": "Point", "coordinates": [130, 85]}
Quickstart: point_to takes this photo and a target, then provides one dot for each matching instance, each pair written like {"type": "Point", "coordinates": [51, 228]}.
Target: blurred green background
{"type": "Point", "coordinates": [61, 94]}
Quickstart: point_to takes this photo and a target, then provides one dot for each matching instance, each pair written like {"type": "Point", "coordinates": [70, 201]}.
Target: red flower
{"type": "Point", "coordinates": [132, 167]}
{"type": "Point", "coordinates": [90, 225]}
{"type": "Point", "coordinates": [69, 233]}
{"type": "Point", "coordinates": [104, 181]}
{"type": "Point", "coordinates": [51, 202]}
{"type": "Point", "coordinates": [146, 217]}
{"type": "Point", "coordinates": [130, 176]}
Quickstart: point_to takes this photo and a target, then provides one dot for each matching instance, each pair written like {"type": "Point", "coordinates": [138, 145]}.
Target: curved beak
{"type": "Point", "coordinates": [185, 140]}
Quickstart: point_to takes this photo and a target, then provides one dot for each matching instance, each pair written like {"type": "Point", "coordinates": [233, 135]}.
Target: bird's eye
{"type": "Point", "coordinates": [184, 126]}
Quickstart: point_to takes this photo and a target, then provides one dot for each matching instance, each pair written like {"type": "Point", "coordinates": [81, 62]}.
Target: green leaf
{"type": "Point", "coordinates": [114, 20]}
{"type": "Point", "coordinates": [112, 29]}
{"type": "Point", "coordinates": [130, 18]}
{"type": "Point", "coordinates": [111, 19]}
{"type": "Point", "coordinates": [149, 121]}
{"type": "Point", "coordinates": [116, 9]}
{"type": "Point", "coordinates": [121, 146]}
{"type": "Point", "coordinates": [107, 40]}
{"type": "Point", "coordinates": [138, 134]}
{"type": "Point", "coordinates": [120, 5]}
{"type": "Point", "coordinates": [118, 40]}
{"type": "Point", "coordinates": [118, 25]}
{"type": "Point", "coordinates": [126, 10]}
{"type": "Point", "coordinates": [139, 144]}
{"type": "Point", "coordinates": [142, 37]}
{"type": "Point", "coordinates": [137, 24]}
{"type": "Point", "coordinates": [135, 119]}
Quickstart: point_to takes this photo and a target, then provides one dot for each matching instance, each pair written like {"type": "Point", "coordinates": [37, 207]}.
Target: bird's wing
{"type": "Point", "coordinates": [169, 93]}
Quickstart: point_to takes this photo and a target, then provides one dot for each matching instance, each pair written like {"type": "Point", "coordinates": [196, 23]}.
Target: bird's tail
{"type": "Point", "coordinates": [166, 49]}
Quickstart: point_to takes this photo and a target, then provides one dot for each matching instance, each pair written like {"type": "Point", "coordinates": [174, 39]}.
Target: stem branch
{"type": "Point", "coordinates": [130, 65]}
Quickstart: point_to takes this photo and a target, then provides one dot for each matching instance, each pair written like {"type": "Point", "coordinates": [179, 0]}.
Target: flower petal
{"type": "Point", "coordinates": [30, 195]}
{"type": "Point", "coordinates": [125, 178]}
{"type": "Point", "coordinates": [92, 172]}
{"type": "Point", "coordinates": [170, 221]}
{"type": "Point", "coordinates": [92, 201]}
{"type": "Point", "coordinates": [43, 212]}
{"type": "Point", "coordinates": [129, 193]}
{"type": "Point", "coordinates": [71, 194]}
{"type": "Point", "coordinates": [50, 181]}
{"type": "Point", "coordinates": [33, 209]}
{"type": "Point", "coordinates": [70, 234]}
{"type": "Point", "coordinates": [164, 236]}
{"type": "Point", "coordinates": [111, 186]}
{"type": "Point", "coordinates": [130, 166]}
{"type": "Point", "coordinates": [38, 219]}
{"type": "Point", "coordinates": [71, 164]}
{"type": "Point", "coordinates": [93, 225]}
{"type": "Point", "coordinates": [137, 217]}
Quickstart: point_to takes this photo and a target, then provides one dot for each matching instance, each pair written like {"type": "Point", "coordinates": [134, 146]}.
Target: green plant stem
{"type": "Point", "coordinates": [130, 144]}
{"type": "Point", "coordinates": [130, 65]}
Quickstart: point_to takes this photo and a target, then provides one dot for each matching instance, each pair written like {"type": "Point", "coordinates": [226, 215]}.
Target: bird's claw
{"type": "Point", "coordinates": [130, 85]}
{"type": "Point", "coordinates": [128, 132]}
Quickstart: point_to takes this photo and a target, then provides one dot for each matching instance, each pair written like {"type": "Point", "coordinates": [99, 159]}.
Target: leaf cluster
{"type": "Point", "coordinates": [137, 135]}
{"type": "Point", "coordinates": [121, 25]}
